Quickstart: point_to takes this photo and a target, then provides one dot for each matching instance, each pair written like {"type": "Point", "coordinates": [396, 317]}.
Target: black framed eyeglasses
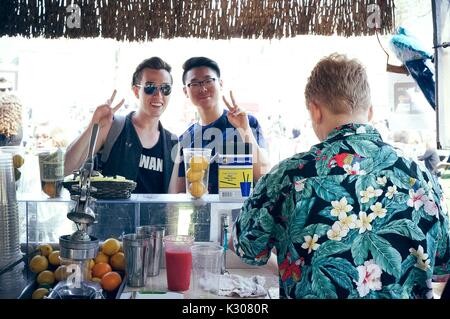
{"type": "Point", "coordinates": [205, 83]}
{"type": "Point", "coordinates": [151, 89]}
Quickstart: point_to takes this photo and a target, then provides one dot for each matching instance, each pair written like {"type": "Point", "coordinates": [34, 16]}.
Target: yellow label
{"type": "Point", "coordinates": [232, 176]}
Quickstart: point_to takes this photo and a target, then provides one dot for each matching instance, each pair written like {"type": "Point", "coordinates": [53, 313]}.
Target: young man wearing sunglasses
{"type": "Point", "coordinates": [139, 148]}
{"type": "Point", "coordinates": [224, 131]}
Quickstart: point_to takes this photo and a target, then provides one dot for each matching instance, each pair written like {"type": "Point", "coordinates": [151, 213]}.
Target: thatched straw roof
{"type": "Point", "coordinates": [143, 20]}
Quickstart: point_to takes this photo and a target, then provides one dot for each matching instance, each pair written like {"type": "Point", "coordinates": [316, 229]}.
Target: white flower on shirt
{"type": "Point", "coordinates": [382, 180]}
{"type": "Point", "coordinates": [416, 199]}
{"type": "Point", "coordinates": [369, 193]}
{"type": "Point", "coordinates": [378, 210]}
{"type": "Point", "coordinates": [348, 222]}
{"type": "Point", "coordinates": [311, 243]}
{"type": "Point", "coordinates": [431, 208]}
{"type": "Point", "coordinates": [337, 231]}
{"type": "Point", "coordinates": [340, 206]}
{"type": "Point", "coordinates": [361, 130]}
{"type": "Point", "coordinates": [369, 278]}
{"type": "Point", "coordinates": [392, 190]}
{"type": "Point", "coordinates": [299, 185]}
{"type": "Point", "coordinates": [363, 223]}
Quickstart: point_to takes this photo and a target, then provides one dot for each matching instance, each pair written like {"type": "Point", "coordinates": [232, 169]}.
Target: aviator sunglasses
{"type": "Point", "coordinates": [151, 89]}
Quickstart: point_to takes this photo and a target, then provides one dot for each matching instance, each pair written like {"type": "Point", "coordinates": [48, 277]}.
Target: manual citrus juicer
{"type": "Point", "coordinates": [77, 249]}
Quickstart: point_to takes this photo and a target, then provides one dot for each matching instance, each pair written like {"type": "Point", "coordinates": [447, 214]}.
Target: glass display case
{"type": "Point", "coordinates": [44, 220]}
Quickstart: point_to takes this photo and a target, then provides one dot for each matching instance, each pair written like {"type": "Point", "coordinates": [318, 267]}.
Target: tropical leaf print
{"type": "Point", "coordinates": [339, 277]}
{"type": "Point", "coordinates": [321, 285]}
{"type": "Point", "coordinates": [433, 238]}
{"type": "Point", "coordinates": [407, 264]}
{"type": "Point", "coordinates": [360, 249]}
{"type": "Point", "coordinates": [384, 158]}
{"type": "Point", "coordinates": [341, 264]}
{"type": "Point", "coordinates": [299, 216]}
{"type": "Point", "coordinates": [265, 220]}
{"type": "Point", "coordinates": [363, 147]}
{"type": "Point", "coordinates": [326, 212]}
{"type": "Point", "coordinates": [329, 191]}
{"type": "Point", "coordinates": [403, 227]}
{"type": "Point", "coordinates": [385, 256]}
{"type": "Point", "coordinates": [328, 248]}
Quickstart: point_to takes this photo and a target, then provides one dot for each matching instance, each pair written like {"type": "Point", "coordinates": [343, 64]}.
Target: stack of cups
{"type": "Point", "coordinates": [206, 268]}
{"type": "Point", "coordinates": [136, 250]}
{"type": "Point", "coordinates": [156, 234]}
{"type": "Point", "coordinates": [11, 282]}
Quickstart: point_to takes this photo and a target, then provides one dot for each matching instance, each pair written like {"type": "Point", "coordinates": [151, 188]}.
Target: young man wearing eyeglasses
{"type": "Point", "coordinates": [142, 150]}
{"type": "Point", "coordinates": [219, 129]}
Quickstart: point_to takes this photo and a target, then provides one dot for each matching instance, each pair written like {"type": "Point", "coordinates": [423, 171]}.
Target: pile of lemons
{"type": "Point", "coordinates": [103, 268]}
{"type": "Point", "coordinates": [42, 264]}
{"type": "Point", "coordinates": [195, 175]}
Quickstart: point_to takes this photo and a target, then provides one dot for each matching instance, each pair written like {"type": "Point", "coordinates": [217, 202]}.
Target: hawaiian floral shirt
{"type": "Point", "coordinates": [351, 218]}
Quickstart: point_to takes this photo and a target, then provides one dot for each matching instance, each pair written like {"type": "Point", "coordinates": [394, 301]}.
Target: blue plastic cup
{"type": "Point", "coordinates": [245, 188]}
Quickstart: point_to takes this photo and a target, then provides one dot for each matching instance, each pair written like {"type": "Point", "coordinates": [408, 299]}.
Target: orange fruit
{"type": "Point", "coordinates": [198, 163]}
{"type": "Point", "coordinates": [194, 176]}
{"type": "Point", "coordinates": [111, 281]}
{"type": "Point", "coordinates": [197, 189]}
{"type": "Point", "coordinates": [118, 261]}
{"type": "Point", "coordinates": [100, 269]}
{"type": "Point", "coordinates": [101, 258]}
{"type": "Point", "coordinates": [111, 246]}
{"type": "Point", "coordinates": [50, 189]}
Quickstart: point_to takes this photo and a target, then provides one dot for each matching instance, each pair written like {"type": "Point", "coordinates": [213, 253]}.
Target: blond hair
{"type": "Point", "coordinates": [340, 84]}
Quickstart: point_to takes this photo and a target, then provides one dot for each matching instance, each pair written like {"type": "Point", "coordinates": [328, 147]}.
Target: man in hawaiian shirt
{"type": "Point", "coordinates": [351, 218]}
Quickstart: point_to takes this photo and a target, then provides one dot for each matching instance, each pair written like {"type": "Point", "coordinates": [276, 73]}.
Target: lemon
{"type": "Point", "coordinates": [18, 161]}
{"type": "Point", "coordinates": [118, 261]}
{"type": "Point", "coordinates": [46, 277]}
{"type": "Point", "coordinates": [40, 293]}
{"type": "Point", "coordinates": [197, 189]}
{"type": "Point", "coordinates": [101, 258]}
{"type": "Point", "coordinates": [111, 246]}
{"type": "Point", "coordinates": [61, 273]}
{"type": "Point", "coordinates": [194, 176]}
{"type": "Point", "coordinates": [38, 263]}
{"type": "Point", "coordinates": [53, 258]}
{"type": "Point", "coordinates": [45, 249]}
{"type": "Point", "coordinates": [91, 264]}
{"type": "Point", "coordinates": [198, 163]}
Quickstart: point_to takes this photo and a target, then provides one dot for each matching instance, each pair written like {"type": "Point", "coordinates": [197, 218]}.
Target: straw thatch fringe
{"type": "Point", "coordinates": [143, 20]}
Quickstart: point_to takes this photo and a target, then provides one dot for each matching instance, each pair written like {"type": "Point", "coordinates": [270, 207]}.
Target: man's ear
{"type": "Point", "coordinates": [185, 92]}
{"type": "Point", "coordinates": [316, 112]}
{"type": "Point", "coordinates": [370, 113]}
{"type": "Point", "coordinates": [136, 91]}
{"type": "Point", "coordinates": [221, 84]}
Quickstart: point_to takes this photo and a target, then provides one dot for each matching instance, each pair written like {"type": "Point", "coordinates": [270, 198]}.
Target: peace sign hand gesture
{"type": "Point", "coordinates": [103, 114]}
{"type": "Point", "coordinates": [237, 117]}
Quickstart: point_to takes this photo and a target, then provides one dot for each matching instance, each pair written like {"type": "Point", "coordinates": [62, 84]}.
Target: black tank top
{"type": "Point", "coordinates": [150, 174]}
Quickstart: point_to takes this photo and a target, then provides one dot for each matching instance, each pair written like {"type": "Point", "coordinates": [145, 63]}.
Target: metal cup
{"type": "Point", "coordinates": [156, 234]}
{"type": "Point", "coordinates": [136, 250]}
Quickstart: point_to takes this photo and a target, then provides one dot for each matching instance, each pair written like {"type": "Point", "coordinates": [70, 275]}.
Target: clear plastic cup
{"type": "Point", "coordinates": [51, 168]}
{"type": "Point", "coordinates": [178, 261]}
{"type": "Point", "coordinates": [18, 156]}
{"type": "Point", "coordinates": [206, 267]}
{"type": "Point", "coordinates": [196, 165]}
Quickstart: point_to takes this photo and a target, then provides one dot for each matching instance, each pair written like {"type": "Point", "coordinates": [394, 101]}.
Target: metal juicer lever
{"type": "Point", "coordinates": [82, 213]}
